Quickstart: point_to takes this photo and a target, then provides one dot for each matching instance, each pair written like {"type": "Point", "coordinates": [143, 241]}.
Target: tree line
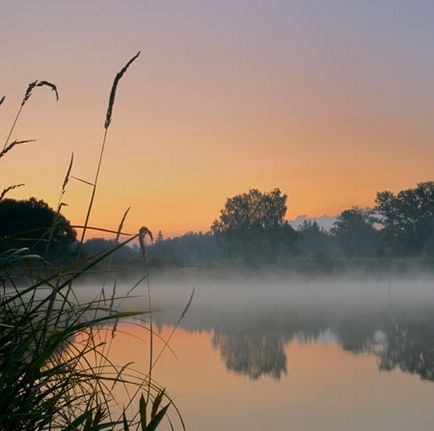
{"type": "Point", "coordinates": [251, 229]}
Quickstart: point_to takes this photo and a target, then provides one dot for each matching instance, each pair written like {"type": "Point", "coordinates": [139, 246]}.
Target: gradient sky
{"type": "Point", "coordinates": [329, 100]}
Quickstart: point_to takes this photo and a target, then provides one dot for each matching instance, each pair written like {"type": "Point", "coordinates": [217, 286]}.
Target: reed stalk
{"type": "Point", "coordinates": [59, 203]}
{"type": "Point", "coordinates": [107, 123]}
{"type": "Point", "coordinates": [6, 190]}
{"type": "Point", "coordinates": [46, 340]}
{"type": "Point", "coordinates": [26, 97]}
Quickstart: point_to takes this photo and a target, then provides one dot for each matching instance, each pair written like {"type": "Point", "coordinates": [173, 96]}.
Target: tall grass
{"type": "Point", "coordinates": [6, 190]}
{"type": "Point", "coordinates": [55, 366]}
{"type": "Point", "coordinates": [60, 204]}
{"type": "Point", "coordinates": [27, 95]}
{"type": "Point", "coordinates": [48, 379]}
{"type": "Point", "coordinates": [107, 123]}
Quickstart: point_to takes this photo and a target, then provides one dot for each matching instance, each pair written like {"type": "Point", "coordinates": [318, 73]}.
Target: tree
{"type": "Point", "coordinates": [251, 227]}
{"type": "Point", "coordinates": [26, 223]}
{"type": "Point", "coordinates": [313, 240]}
{"type": "Point", "coordinates": [191, 249]}
{"type": "Point", "coordinates": [355, 233]}
{"type": "Point", "coordinates": [124, 254]}
{"type": "Point", "coordinates": [408, 219]}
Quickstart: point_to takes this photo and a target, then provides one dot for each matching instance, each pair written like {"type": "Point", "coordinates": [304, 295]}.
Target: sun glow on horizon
{"type": "Point", "coordinates": [278, 99]}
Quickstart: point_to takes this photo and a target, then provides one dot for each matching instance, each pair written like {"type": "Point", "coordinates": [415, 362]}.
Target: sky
{"type": "Point", "coordinates": [331, 101]}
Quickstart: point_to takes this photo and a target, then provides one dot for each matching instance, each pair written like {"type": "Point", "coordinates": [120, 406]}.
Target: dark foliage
{"type": "Point", "coordinates": [27, 223]}
{"type": "Point", "coordinates": [190, 248]}
{"type": "Point", "coordinates": [251, 228]}
{"type": "Point", "coordinates": [408, 220]}
{"type": "Point", "coordinates": [125, 254]}
{"type": "Point", "coordinates": [356, 234]}
{"type": "Point", "coordinates": [314, 242]}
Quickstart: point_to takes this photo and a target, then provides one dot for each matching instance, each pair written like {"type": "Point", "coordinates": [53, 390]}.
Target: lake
{"type": "Point", "coordinates": [273, 354]}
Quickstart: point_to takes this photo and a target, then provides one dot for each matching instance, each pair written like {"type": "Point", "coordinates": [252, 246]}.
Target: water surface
{"type": "Point", "coordinates": [294, 355]}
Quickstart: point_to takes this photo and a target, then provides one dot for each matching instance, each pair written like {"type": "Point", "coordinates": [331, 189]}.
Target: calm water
{"type": "Point", "coordinates": [278, 355]}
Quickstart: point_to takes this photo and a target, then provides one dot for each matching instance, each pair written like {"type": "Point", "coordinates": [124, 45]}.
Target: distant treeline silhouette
{"type": "Point", "coordinates": [251, 229]}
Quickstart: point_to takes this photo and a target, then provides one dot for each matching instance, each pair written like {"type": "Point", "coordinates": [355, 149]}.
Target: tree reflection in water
{"type": "Point", "coordinates": [252, 335]}
{"type": "Point", "coordinates": [254, 345]}
{"type": "Point", "coordinates": [252, 355]}
{"type": "Point", "coordinates": [410, 347]}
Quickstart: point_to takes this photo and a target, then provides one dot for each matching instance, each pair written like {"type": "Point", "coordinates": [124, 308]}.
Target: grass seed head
{"type": "Point", "coordinates": [34, 84]}
{"type": "Point", "coordinates": [142, 235]}
{"type": "Point", "coordinates": [68, 172]}
{"type": "Point", "coordinates": [12, 145]}
{"type": "Point", "coordinates": [118, 77]}
{"type": "Point", "coordinates": [8, 189]}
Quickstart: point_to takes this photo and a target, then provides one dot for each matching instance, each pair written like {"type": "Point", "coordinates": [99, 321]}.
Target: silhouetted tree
{"type": "Point", "coordinates": [126, 254]}
{"type": "Point", "coordinates": [191, 248]}
{"type": "Point", "coordinates": [251, 227]}
{"type": "Point", "coordinates": [408, 219]}
{"type": "Point", "coordinates": [355, 233]}
{"type": "Point", "coordinates": [313, 241]}
{"type": "Point", "coordinates": [26, 223]}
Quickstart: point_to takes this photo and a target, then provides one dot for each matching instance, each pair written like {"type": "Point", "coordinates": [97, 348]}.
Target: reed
{"type": "Point", "coordinates": [60, 204]}
{"type": "Point", "coordinates": [47, 377]}
{"type": "Point", "coordinates": [6, 190]}
{"type": "Point", "coordinates": [55, 372]}
{"type": "Point", "coordinates": [144, 231]}
{"type": "Point", "coordinates": [121, 224]}
{"type": "Point", "coordinates": [9, 147]}
{"type": "Point", "coordinates": [27, 95]}
{"type": "Point", "coordinates": [107, 123]}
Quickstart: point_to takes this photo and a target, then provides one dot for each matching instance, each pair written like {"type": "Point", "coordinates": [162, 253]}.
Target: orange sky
{"type": "Point", "coordinates": [329, 103]}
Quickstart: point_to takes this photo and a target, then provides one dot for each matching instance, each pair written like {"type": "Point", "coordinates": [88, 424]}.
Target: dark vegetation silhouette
{"type": "Point", "coordinates": [313, 241]}
{"type": "Point", "coordinates": [55, 367]}
{"type": "Point", "coordinates": [24, 223]}
{"type": "Point", "coordinates": [355, 234]}
{"type": "Point", "coordinates": [188, 249]}
{"type": "Point", "coordinates": [252, 230]}
{"type": "Point", "coordinates": [408, 220]}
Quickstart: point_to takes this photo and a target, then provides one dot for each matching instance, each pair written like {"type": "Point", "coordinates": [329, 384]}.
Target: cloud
{"type": "Point", "coordinates": [325, 221]}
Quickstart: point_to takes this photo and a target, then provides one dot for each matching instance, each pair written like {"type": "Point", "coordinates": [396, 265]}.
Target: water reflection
{"type": "Point", "coordinates": [252, 355]}
{"type": "Point", "coordinates": [301, 357]}
{"type": "Point", "coordinates": [410, 347]}
{"type": "Point", "coordinates": [253, 343]}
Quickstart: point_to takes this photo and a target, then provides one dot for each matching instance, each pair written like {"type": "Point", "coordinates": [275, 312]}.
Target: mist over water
{"type": "Point", "coordinates": [369, 342]}
{"type": "Point", "coordinates": [231, 122]}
